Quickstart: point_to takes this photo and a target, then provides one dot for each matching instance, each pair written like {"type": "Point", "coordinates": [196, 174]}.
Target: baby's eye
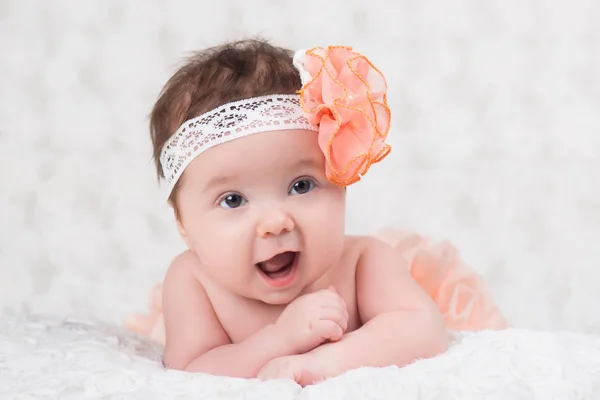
{"type": "Point", "coordinates": [302, 186]}
{"type": "Point", "coordinates": [232, 201]}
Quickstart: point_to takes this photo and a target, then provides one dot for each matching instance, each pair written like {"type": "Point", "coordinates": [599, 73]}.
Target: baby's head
{"type": "Point", "coordinates": [257, 185]}
{"type": "Point", "coordinates": [214, 77]}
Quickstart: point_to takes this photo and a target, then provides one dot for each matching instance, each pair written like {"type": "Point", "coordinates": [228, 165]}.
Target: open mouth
{"type": "Point", "coordinates": [279, 269]}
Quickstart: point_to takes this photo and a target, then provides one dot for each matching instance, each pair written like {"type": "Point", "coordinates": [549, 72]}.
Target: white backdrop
{"type": "Point", "coordinates": [496, 136]}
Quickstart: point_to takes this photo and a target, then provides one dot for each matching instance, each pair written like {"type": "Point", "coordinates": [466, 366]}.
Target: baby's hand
{"type": "Point", "coordinates": [313, 319]}
{"type": "Point", "coordinates": [289, 367]}
{"type": "Point", "coordinates": [305, 369]}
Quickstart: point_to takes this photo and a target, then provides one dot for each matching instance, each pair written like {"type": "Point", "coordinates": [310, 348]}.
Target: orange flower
{"type": "Point", "coordinates": [345, 95]}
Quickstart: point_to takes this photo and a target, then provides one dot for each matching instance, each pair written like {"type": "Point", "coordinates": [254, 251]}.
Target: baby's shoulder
{"type": "Point", "coordinates": [185, 262]}
{"type": "Point", "coordinates": [372, 252]}
{"type": "Point", "coordinates": [357, 248]}
{"type": "Point", "coordinates": [358, 245]}
{"type": "Point", "coordinates": [406, 242]}
{"type": "Point", "coordinates": [184, 267]}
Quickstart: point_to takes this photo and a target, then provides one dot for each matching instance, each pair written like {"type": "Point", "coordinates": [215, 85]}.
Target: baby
{"type": "Point", "coordinates": [257, 145]}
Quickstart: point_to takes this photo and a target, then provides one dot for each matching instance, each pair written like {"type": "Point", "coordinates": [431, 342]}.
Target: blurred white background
{"type": "Point", "coordinates": [496, 141]}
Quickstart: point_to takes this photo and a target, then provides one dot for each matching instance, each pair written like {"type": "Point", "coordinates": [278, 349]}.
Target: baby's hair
{"type": "Point", "coordinates": [216, 76]}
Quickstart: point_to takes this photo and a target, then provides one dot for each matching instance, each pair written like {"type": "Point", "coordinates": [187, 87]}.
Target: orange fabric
{"type": "Point", "coordinates": [458, 290]}
{"type": "Point", "coordinates": [346, 96]}
{"type": "Point", "coordinates": [151, 325]}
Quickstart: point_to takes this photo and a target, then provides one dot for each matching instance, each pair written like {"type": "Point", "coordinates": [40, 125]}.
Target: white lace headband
{"type": "Point", "coordinates": [228, 122]}
{"type": "Point", "coordinates": [338, 84]}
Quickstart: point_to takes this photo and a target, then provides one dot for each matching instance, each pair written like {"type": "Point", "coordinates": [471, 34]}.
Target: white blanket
{"type": "Point", "coordinates": [63, 359]}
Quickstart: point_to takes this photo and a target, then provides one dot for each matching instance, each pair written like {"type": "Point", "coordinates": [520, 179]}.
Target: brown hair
{"type": "Point", "coordinates": [216, 76]}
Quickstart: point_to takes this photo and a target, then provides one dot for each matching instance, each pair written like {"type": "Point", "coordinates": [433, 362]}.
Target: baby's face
{"type": "Point", "coordinates": [262, 217]}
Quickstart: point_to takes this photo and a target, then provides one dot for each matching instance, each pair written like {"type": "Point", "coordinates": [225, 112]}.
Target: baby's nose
{"type": "Point", "coordinates": [275, 222]}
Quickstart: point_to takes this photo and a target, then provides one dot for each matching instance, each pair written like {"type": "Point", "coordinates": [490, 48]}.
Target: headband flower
{"type": "Point", "coordinates": [345, 95]}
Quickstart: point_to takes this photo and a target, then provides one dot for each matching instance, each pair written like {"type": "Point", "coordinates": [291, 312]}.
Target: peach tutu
{"type": "Point", "coordinates": [457, 290]}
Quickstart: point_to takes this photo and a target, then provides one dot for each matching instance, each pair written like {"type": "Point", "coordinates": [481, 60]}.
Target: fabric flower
{"type": "Point", "coordinates": [345, 95]}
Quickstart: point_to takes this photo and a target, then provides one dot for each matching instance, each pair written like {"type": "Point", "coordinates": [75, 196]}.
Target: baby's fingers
{"type": "Point", "coordinates": [334, 311]}
{"type": "Point", "coordinates": [330, 299]}
{"type": "Point", "coordinates": [337, 315]}
{"type": "Point", "coordinates": [328, 330]}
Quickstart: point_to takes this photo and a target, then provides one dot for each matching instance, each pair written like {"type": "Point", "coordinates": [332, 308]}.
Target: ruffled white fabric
{"type": "Point", "coordinates": [65, 359]}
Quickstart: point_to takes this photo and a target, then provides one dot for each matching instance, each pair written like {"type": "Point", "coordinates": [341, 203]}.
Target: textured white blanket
{"type": "Point", "coordinates": [63, 359]}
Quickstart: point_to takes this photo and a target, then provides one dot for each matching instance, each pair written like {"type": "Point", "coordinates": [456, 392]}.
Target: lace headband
{"type": "Point", "coordinates": [228, 122]}
{"type": "Point", "coordinates": [343, 98]}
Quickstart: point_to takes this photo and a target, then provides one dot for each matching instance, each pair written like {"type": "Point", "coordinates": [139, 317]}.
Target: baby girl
{"type": "Point", "coordinates": [257, 146]}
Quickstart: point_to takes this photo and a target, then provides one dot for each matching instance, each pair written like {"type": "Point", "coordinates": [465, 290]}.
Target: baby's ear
{"type": "Point", "coordinates": [183, 233]}
{"type": "Point", "coordinates": [180, 226]}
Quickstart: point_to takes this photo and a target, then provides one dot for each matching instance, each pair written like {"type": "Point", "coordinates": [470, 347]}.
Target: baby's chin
{"type": "Point", "coordinates": [285, 297]}
{"type": "Point", "coordinates": [278, 298]}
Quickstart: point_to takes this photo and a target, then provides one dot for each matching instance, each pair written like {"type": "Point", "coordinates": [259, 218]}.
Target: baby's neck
{"type": "Point", "coordinates": [323, 282]}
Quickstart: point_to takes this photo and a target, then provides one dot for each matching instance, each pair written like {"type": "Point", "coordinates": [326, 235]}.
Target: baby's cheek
{"type": "Point", "coordinates": [327, 240]}
{"type": "Point", "coordinates": [225, 268]}
{"type": "Point", "coordinates": [219, 257]}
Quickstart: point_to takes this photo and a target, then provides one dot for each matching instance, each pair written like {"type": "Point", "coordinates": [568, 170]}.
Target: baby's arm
{"type": "Point", "coordinates": [196, 341]}
{"type": "Point", "coordinates": [401, 324]}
